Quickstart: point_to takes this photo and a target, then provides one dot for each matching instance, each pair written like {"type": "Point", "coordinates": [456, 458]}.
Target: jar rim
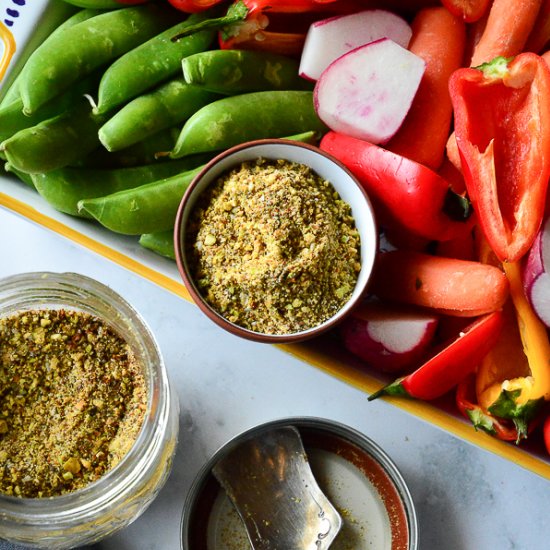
{"type": "Point", "coordinates": [117, 481]}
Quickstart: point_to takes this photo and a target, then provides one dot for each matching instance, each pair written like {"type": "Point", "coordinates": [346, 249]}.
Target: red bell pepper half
{"type": "Point", "coordinates": [502, 128]}
{"type": "Point", "coordinates": [280, 26]}
{"type": "Point", "coordinates": [406, 194]}
{"type": "Point", "coordinates": [452, 364]}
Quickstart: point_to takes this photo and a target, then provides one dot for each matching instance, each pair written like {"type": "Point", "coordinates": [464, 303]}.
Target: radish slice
{"type": "Point", "coordinates": [367, 92]}
{"type": "Point", "coordinates": [328, 39]}
{"type": "Point", "coordinates": [388, 338]}
{"type": "Point", "coordinates": [536, 278]}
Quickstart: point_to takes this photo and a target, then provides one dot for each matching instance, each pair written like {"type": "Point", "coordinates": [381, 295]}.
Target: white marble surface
{"type": "Point", "coordinates": [465, 497]}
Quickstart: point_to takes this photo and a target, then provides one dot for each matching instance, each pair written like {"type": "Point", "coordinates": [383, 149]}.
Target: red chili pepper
{"type": "Point", "coordinates": [452, 364]}
{"type": "Point", "coordinates": [466, 403]}
{"type": "Point", "coordinates": [280, 26]}
{"type": "Point", "coordinates": [502, 127]}
{"type": "Point", "coordinates": [467, 10]}
{"type": "Point", "coordinates": [406, 194]}
{"type": "Point", "coordinates": [193, 6]}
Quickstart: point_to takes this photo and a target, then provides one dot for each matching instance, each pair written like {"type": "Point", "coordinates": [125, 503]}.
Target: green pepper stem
{"type": "Point", "coordinates": [236, 12]}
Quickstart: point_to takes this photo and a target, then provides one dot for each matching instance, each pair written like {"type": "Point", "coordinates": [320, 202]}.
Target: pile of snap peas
{"type": "Point", "coordinates": [110, 118]}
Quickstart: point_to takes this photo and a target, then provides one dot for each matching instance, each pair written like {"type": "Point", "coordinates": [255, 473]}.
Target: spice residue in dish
{"type": "Point", "coordinates": [73, 399]}
{"type": "Point", "coordinates": [273, 248]}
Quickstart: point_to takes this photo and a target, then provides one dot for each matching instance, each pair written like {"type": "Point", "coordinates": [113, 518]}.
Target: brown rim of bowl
{"type": "Point", "coordinates": [188, 280]}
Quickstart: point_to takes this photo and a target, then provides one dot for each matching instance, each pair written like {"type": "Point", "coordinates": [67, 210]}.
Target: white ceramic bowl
{"type": "Point", "coordinates": [325, 166]}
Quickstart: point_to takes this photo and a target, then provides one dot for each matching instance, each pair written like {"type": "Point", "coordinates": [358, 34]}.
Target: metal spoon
{"type": "Point", "coordinates": [270, 483]}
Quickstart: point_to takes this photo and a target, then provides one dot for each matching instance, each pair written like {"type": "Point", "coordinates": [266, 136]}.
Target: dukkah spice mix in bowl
{"type": "Point", "coordinates": [88, 421]}
{"type": "Point", "coordinates": [275, 240]}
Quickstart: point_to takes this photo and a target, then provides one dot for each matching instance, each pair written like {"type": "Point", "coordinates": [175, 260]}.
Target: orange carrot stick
{"type": "Point", "coordinates": [474, 32]}
{"type": "Point", "coordinates": [508, 27]}
{"type": "Point", "coordinates": [455, 287]}
{"type": "Point", "coordinates": [540, 34]}
{"type": "Point", "coordinates": [439, 38]}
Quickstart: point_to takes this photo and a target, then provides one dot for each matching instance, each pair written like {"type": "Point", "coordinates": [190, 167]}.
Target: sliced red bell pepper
{"type": "Point", "coordinates": [280, 26]}
{"type": "Point", "coordinates": [406, 194]}
{"type": "Point", "coordinates": [502, 128]}
{"type": "Point", "coordinates": [466, 402]}
{"type": "Point", "coordinates": [452, 364]}
{"type": "Point", "coordinates": [194, 6]}
{"type": "Point", "coordinates": [467, 10]}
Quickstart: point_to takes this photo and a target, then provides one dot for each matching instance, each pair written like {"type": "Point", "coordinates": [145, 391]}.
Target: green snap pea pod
{"type": "Point", "coordinates": [56, 142]}
{"type": "Point", "coordinates": [236, 119]}
{"type": "Point", "coordinates": [310, 137]}
{"type": "Point", "coordinates": [25, 178]}
{"type": "Point", "coordinates": [239, 71]}
{"type": "Point", "coordinates": [83, 48]}
{"type": "Point", "coordinates": [63, 188]}
{"type": "Point", "coordinates": [12, 118]}
{"type": "Point", "coordinates": [97, 4]}
{"type": "Point", "coordinates": [169, 104]}
{"type": "Point", "coordinates": [149, 208]}
{"type": "Point", "coordinates": [161, 242]}
{"type": "Point", "coordinates": [149, 64]}
{"type": "Point", "coordinates": [12, 92]}
{"type": "Point", "coordinates": [144, 152]}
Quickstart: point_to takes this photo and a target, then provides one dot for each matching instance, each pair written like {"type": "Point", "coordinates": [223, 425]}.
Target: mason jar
{"type": "Point", "coordinates": [117, 498]}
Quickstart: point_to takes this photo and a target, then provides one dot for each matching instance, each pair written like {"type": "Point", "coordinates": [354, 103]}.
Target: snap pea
{"type": "Point", "coordinates": [146, 209]}
{"type": "Point", "coordinates": [239, 71]}
{"type": "Point", "coordinates": [312, 137]}
{"type": "Point", "coordinates": [145, 151]}
{"type": "Point", "coordinates": [63, 188]}
{"type": "Point", "coordinates": [97, 4]}
{"type": "Point", "coordinates": [56, 142]}
{"type": "Point", "coordinates": [12, 92]}
{"type": "Point", "coordinates": [169, 104]}
{"type": "Point", "coordinates": [12, 118]}
{"type": "Point", "coordinates": [149, 64]}
{"type": "Point", "coordinates": [161, 243]}
{"type": "Point", "coordinates": [22, 176]}
{"type": "Point", "coordinates": [84, 47]}
{"type": "Point", "coordinates": [236, 119]}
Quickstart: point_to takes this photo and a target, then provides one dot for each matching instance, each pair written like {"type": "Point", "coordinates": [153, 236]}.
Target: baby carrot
{"type": "Point", "coordinates": [460, 288]}
{"type": "Point", "coordinates": [508, 26]}
{"type": "Point", "coordinates": [540, 34]}
{"type": "Point", "coordinates": [438, 38]}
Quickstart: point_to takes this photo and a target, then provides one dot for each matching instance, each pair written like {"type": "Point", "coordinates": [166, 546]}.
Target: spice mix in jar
{"type": "Point", "coordinates": [72, 401]}
{"type": "Point", "coordinates": [273, 248]}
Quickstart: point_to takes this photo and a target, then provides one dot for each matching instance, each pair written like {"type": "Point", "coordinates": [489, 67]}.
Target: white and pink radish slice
{"type": "Point", "coordinates": [368, 92]}
{"type": "Point", "coordinates": [536, 274]}
{"type": "Point", "coordinates": [388, 338]}
{"type": "Point", "coordinates": [331, 38]}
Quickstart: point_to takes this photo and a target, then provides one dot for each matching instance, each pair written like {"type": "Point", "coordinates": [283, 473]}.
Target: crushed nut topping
{"type": "Point", "coordinates": [72, 401]}
{"type": "Point", "coordinates": [273, 248]}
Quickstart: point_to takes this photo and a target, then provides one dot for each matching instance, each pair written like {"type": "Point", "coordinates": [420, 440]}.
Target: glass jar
{"type": "Point", "coordinates": [100, 509]}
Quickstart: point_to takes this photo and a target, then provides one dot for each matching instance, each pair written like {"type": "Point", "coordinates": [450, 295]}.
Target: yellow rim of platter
{"type": "Point", "coordinates": [331, 366]}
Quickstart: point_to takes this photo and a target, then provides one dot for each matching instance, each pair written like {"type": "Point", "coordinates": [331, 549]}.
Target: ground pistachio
{"type": "Point", "coordinates": [273, 248]}
{"type": "Point", "coordinates": [72, 401]}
